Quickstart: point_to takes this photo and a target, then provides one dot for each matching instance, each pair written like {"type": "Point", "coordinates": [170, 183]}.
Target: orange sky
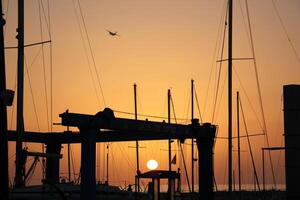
{"type": "Point", "coordinates": [162, 44]}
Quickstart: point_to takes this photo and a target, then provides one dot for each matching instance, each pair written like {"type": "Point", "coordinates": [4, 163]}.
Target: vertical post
{"type": "Point", "coordinates": [3, 118]}
{"type": "Point", "coordinates": [107, 154]}
{"type": "Point", "coordinates": [52, 163]}
{"type": "Point", "coordinates": [292, 140]}
{"type": "Point", "coordinates": [192, 140]}
{"type": "Point", "coordinates": [230, 5]}
{"type": "Point", "coordinates": [88, 157]}
{"type": "Point", "coordinates": [169, 121]}
{"type": "Point", "coordinates": [69, 159]}
{"type": "Point", "coordinates": [263, 167]}
{"type": "Point", "coordinates": [19, 172]}
{"type": "Point", "coordinates": [254, 180]}
{"type": "Point", "coordinates": [233, 180]}
{"type": "Point", "coordinates": [169, 141]}
{"type": "Point", "coordinates": [238, 135]}
{"type": "Point", "coordinates": [137, 142]}
{"type": "Point", "coordinates": [205, 164]}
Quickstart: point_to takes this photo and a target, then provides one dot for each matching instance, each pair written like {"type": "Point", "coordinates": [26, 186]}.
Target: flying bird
{"type": "Point", "coordinates": [113, 33]}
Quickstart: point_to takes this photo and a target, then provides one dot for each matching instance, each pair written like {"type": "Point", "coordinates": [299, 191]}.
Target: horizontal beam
{"type": "Point", "coordinates": [107, 120]}
{"type": "Point", "coordinates": [107, 136]}
{"type": "Point", "coordinates": [272, 148]}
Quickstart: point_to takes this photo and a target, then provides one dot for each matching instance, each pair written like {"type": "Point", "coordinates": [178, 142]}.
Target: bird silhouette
{"type": "Point", "coordinates": [112, 33]}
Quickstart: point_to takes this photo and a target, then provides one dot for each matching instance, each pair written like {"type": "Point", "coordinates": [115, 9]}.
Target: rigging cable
{"type": "Point", "coordinates": [44, 66]}
{"type": "Point", "coordinates": [220, 68]}
{"type": "Point", "coordinates": [86, 53]}
{"type": "Point", "coordinates": [213, 59]}
{"type": "Point", "coordinates": [32, 96]}
{"type": "Point", "coordinates": [183, 158]}
{"type": "Point", "coordinates": [51, 67]}
{"type": "Point", "coordinates": [249, 145]}
{"type": "Point", "coordinates": [286, 32]}
{"type": "Point", "coordinates": [91, 52]}
{"type": "Point", "coordinates": [198, 106]}
{"type": "Point", "coordinates": [259, 90]}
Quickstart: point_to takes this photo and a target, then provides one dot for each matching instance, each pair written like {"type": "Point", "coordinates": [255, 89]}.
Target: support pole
{"type": "Point", "coordinates": [137, 142]}
{"type": "Point", "coordinates": [192, 140]}
{"type": "Point", "coordinates": [238, 135]}
{"type": "Point", "coordinates": [52, 163]}
{"type": "Point", "coordinates": [69, 159]}
{"type": "Point", "coordinates": [88, 157]}
{"type": "Point", "coordinates": [206, 165]}
{"type": "Point", "coordinates": [263, 168]}
{"type": "Point", "coordinates": [169, 121]}
{"type": "Point", "coordinates": [230, 5]}
{"type": "Point", "coordinates": [169, 142]}
{"type": "Point", "coordinates": [69, 162]}
{"type": "Point", "coordinates": [107, 163]}
{"type": "Point", "coordinates": [19, 172]}
{"type": "Point", "coordinates": [3, 118]}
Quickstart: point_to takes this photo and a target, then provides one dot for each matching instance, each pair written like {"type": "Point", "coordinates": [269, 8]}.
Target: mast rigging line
{"type": "Point", "coordinates": [286, 32]}
{"type": "Point", "coordinates": [235, 59]}
{"type": "Point", "coordinates": [86, 53]}
{"type": "Point", "coordinates": [259, 90]}
{"type": "Point", "coordinates": [249, 145]}
{"type": "Point", "coordinates": [182, 154]}
{"type": "Point", "coordinates": [30, 45]}
{"type": "Point", "coordinates": [91, 50]}
{"type": "Point", "coordinates": [44, 66]}
{"type": "Point", "coordinates": [220, 66]}
{"type": "Point", "coordinates": [198, 106]}
{"type": "Point", "coordinates": [213, 59]}
{"type": "Point", "coordinates": [152, 116]}
{"type": "Point", "coordinates": [32, 96]}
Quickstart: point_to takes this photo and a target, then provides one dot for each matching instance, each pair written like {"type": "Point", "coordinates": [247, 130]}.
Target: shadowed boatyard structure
{"type": "Point", "coordinates": [105, 127]}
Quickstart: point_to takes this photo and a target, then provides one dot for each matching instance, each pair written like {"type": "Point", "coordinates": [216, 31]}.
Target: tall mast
{"type": "Point", "coordinates": [238, 135]}
{"type": "Point", "coordinates": [230, 5]}
{"type": "Point", "coordinates": [137, 142]}
{"type": "Point", "coordinates": [192, 140]}
{"type": "Point", "coordinates": [19, 181]}
{"type": "Point", "coordinates": [107, 162]}
{"type": "Point", "coordinates": [3, 117]}
{"type": "Point", "coordinates": [169, 141]}
{"type": "Point", "coordinates": [169, 121]}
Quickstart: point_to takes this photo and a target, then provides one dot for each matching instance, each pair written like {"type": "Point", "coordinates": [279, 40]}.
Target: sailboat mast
{"type": "Point", "coordinates": [230, 7]}
{"type": "Point", "coordinates": [192, 140]}
{"type": "Point", "coordinates": [3, 117]}
{"type": "Point", "coordinates": [169, 121]}
{"type": "Point", "coordinates": [19, 181]}
{"type": "Point", "coordinates": [238, 135]}
{"type": "Point", "coordinates": [137, 142]}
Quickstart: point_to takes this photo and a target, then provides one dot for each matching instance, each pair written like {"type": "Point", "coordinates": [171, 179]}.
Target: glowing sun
{"type": "Point", "coordinates": [152, 164]}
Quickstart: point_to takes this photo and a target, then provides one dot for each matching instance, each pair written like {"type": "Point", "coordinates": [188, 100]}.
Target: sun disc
{"type": "Point", "coordinates": [152, 164]}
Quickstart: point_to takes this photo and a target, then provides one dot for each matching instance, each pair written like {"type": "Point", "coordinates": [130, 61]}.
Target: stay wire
{"type": "Point", "coordinates": [259, 91]}
{"type": "Point", "coordinates": [198, 106]}
{"type": "Point", "coordinates": [183, 158]}
{"type": "Point", "coordinates": [32, 96]}
{"type": "Point", "coordinates": [249, 144]}
{"type": "Point", "coordinates": [213, 59]}
{"type": "Point", "coordinates": [220, 68]}
{"type": "Point", "coordinates": [286, 32]}
{"type": "Point", "coordinates": [86, 53]}
{"type": "Point", "coordinates": [91, 52]}
{"type": "Point", "coordinates": [44, 66]}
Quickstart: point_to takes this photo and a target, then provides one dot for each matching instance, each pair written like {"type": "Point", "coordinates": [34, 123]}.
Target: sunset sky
{"type": "Point", "coordinates": [163, 44]}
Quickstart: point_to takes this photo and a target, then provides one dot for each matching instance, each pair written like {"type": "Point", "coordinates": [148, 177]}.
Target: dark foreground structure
{"type": "Point", "coordinates": [105, 127]}
{"type": "Point", "coordinates": [292, 140]}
